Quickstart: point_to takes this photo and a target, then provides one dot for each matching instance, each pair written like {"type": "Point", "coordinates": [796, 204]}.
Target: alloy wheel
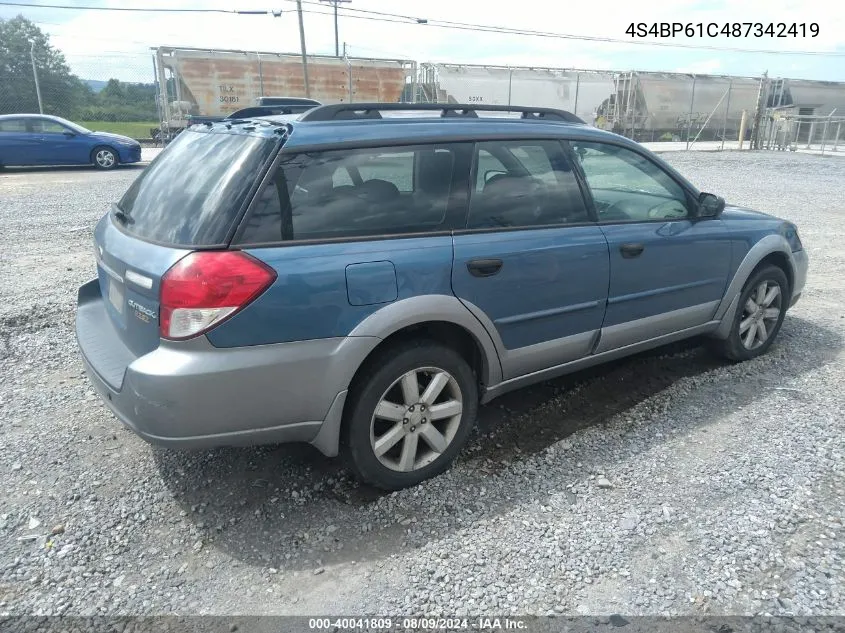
{"type": "Point", "coordinates": [416, 419]}
{"type": "Point", "coordinates": [760, 314]}
{"type": "Point", "coordinates": [105, 158]}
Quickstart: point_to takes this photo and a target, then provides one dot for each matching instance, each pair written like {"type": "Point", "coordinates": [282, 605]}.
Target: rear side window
{"type": "Point", "coordinates": [192, 193]}
{"type": "Point", "coordinates": [523, 184]}
{"type": "Point", "coordinates": [13, 125]}
{"type": "Point", "coordinates": [359, 193]}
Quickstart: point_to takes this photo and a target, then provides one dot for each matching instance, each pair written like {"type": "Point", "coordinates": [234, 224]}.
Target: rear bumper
{"type": "Point", "coordinates": [193, 395]}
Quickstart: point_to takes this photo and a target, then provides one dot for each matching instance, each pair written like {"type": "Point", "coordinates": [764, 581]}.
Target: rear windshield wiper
{"type": "Point", "coordinates": [122, 216]}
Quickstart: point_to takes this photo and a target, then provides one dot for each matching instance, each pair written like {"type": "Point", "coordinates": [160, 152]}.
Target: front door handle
{"type": "Point", "coordinates": [629, 251]}
{"type": "Point", "coordinates": [484, 267]}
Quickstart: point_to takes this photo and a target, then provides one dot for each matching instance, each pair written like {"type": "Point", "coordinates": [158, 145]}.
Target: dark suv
{"type": "Point", "coordinates": [362, 281]}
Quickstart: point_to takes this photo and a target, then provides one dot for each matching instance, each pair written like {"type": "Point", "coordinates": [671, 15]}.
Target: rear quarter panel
{"type": "Point", "coordinates": [310, 298]}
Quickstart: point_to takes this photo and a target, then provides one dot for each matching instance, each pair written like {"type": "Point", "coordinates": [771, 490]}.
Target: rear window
{"type": "Point", "coordinates": [192, 193]}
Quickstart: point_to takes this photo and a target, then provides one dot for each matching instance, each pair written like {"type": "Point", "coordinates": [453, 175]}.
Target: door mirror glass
{"type": "Point", "coordinates": [710, 205]}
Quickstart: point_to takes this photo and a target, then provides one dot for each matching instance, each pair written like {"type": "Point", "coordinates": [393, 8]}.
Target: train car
{"type": "Point", "coordinates": [646, 106]}
{"type": "Point", "coordinates": [580, 92]}
{"type": "Point", "coordinates": [668, 105]}
{"type": "Point", "coordinates": [197, 83]}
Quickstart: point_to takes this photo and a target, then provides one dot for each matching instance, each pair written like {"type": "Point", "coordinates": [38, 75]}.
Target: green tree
{"type": "Point", "coordinates": [119, 101]}
{"type": "Point", "coordinates": [61, 91]}
{"type": "Point", "coordinates": [113, 92]}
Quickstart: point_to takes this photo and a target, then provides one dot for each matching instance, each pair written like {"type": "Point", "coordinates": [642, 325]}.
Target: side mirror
{"type": "Point", "coordinates": [69, 134]}
{"type": "Point", "coordinates": [710, 205]}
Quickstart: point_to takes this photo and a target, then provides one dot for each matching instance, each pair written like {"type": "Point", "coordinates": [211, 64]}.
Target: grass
{"type": "Point", "coordinates": [132, 129]}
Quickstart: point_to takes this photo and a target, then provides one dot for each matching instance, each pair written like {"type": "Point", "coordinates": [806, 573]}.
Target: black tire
{"type": "Point", "coordinates": [98, 158]}
{"type": "Point", "coordinates": [733, 347]}
{"type": "Point", "coordinates": [374, 384]}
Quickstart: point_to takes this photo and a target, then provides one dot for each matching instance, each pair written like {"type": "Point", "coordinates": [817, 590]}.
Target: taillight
{"type": "Point", "coordinates": [206, 287]}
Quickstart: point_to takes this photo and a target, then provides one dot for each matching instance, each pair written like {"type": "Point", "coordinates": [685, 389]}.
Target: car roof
{"type": "Point", "coordinates": [289, 100]}
{"type": "Point", "coordinates": [405, 129]}
{"type": "Point", "coordinates": [30, 115]}
{"type": "Point", "coordinates": [348, 125]}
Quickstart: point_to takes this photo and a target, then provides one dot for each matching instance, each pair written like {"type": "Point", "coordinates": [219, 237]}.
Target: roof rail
{"type": "Point", "coordinates": [347, 111]}
{"type": "Point", "coordinates": [256, 111]}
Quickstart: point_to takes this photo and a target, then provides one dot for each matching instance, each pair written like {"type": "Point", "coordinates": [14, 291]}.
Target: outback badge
{"type": "Point", "coordinates": [141, 312]}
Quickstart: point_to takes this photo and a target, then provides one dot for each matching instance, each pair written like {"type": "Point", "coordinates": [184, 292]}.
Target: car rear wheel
{"type": "Point", "coordinates": [104, 158]}
{"type": "Point", "coordinates": [762, 307]}
{"type": "Point", "coordinates": [410, 414]}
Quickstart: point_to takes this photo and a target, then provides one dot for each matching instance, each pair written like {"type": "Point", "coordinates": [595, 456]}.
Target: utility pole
{"type": "Point", "coordinates": [35, 75]}
{"type": "Point", "coordinates": [304, 54]}
{"type": "Point", "coordinates": [336, 37]}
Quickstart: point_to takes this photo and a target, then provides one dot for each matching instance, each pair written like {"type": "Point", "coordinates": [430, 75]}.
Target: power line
{"type": "Point", "coordinates": [380, 16]}
{"type": "Point", "coordinates": [134, 9]}
{"type": "Point", "coordinates": [482, 28]}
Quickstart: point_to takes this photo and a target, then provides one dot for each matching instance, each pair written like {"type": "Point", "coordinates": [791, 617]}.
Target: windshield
{"type": "Point", "coordinates": [76, 127]}
{"type": "Point", "coordinates": [192, 193]}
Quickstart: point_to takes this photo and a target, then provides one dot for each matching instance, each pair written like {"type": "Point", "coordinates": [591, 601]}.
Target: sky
{"type": "Point", "coordinates": [104, 44]}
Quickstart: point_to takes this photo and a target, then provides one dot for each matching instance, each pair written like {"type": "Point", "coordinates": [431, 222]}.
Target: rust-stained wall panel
{"type": "Point", "coordinates": [222, 82]}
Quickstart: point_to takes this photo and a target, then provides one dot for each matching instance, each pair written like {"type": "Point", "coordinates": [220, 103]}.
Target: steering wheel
{"type": "Point", "coordinates": [669, 210]}
{"type": "Point", "coordinates": [614, 211]}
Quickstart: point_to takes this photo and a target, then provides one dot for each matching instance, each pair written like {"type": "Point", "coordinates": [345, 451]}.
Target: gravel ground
{"type": "Point", "coordinates": [667, 483]}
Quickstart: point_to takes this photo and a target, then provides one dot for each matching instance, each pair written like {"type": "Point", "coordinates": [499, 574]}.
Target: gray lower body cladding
{"type": "Point", "coordinates": [193, 395]}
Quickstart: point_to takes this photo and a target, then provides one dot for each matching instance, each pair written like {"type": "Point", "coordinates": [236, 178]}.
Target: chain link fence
{"type": "Point", "coordinates": [110, 93]}
{"type": "Point", "coordinates": [787, 131]}
{"type": "Point", "coordinates": [154, 95]}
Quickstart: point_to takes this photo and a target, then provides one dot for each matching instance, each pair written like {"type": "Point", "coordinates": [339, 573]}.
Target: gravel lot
{"type": "Point", "coordinates": [666, 483]}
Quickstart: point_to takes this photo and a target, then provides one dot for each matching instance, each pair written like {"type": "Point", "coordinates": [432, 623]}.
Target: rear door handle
{"type": "Point", "coordinates": [484, 267]}
{"type": "Point", "coordinates": [629, 251]}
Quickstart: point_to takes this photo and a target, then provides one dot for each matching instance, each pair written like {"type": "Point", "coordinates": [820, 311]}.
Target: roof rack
{"type": "Point", "coordinates": [347, 111]}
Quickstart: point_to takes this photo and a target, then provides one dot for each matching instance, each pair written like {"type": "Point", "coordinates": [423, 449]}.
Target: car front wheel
{"type": "Point", "coordinates": [104, 158]}
{"type": "Point", "coordinates": [762, 307]}
{"type": "Point", "coordinates": [410, 414]}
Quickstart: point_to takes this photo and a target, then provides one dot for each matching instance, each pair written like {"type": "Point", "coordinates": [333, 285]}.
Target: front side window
{"type": "Point", "coordinates": [524, 184]}
{"type": "Point", "coordinates": [45, 126]}
{"type": "Point", "coordinates": [627, 187]}
{"type": "Point", "coordinates": [357, 193]}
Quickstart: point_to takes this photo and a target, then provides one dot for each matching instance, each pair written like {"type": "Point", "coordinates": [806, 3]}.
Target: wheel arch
{"type": "Point", "coordinates": [438, 317]}
{"type": "Point", "coordinates": [441, 318]}
{"type": "Point", "coordinates": [772, 249]}
{"type": "Point", "coordinates": [782, 261]}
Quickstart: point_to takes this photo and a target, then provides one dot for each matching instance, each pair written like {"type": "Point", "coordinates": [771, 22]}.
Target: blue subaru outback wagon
{"type": "Point", "coordinates": [363, 276]}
